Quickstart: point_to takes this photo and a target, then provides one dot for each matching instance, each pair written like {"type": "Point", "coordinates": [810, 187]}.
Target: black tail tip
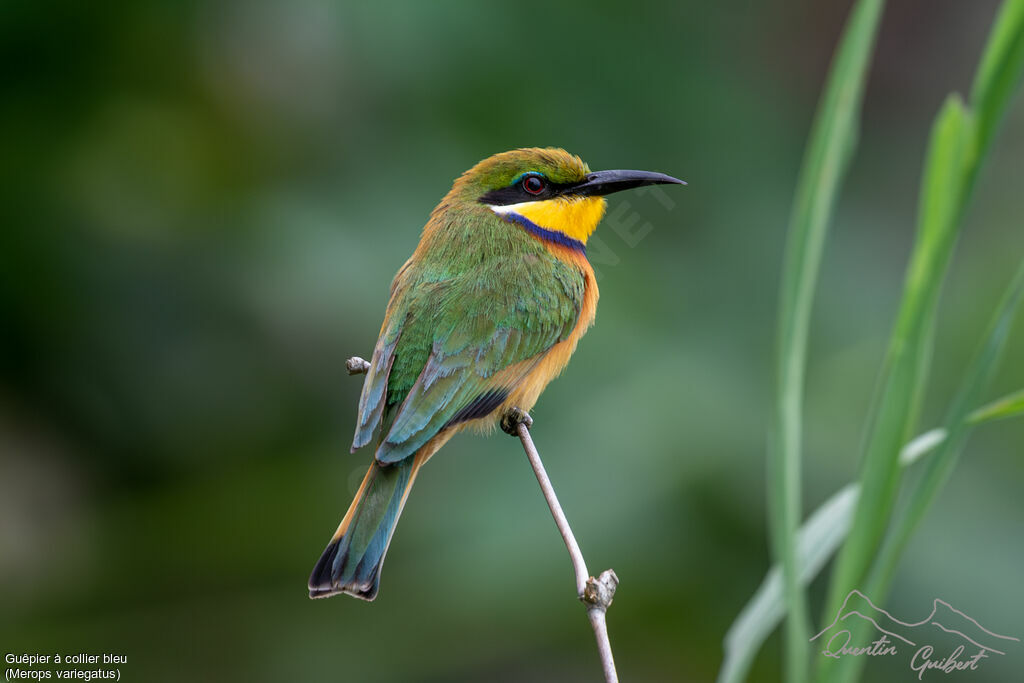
{"type": "Point", "coordinates": [325, 579]}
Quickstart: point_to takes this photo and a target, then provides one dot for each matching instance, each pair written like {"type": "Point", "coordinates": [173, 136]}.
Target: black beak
{"type": "Point", "coordinates": [607, 182]}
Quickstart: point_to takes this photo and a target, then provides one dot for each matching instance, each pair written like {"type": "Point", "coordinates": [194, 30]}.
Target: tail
{"type": "Point", "coordinates": [352, 560]}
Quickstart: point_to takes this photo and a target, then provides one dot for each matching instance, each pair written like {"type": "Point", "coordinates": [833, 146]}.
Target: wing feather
{"type": "Point", "coordinates": [452, 349]}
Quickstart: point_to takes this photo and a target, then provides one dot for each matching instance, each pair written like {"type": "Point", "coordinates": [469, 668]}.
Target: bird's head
{"type": "Point", "coordinates": [548, 190]}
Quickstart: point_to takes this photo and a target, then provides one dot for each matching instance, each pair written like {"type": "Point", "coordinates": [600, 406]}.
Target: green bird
{"type": "Point", "coordinates": [484, 314]}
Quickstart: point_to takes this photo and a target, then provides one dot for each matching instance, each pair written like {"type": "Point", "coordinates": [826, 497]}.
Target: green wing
{"type": "Point", "coordinates": [445, 340]}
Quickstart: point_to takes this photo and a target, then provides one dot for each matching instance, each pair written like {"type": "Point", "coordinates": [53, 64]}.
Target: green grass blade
{"type": "Point", "coordinates": [909, 348]}
{"type": "Point", "coordinates": [943, 204]}
{"type": "Point", "coordinates": [829, 150]}
{"type": "Point", "coordinates": [1009, 406]}
{"type": "Point", "coordinates": [959, 144]}
{"type": "Point", "coordinates": [958, 426]}
{"type": "Point", "coordinates": [818, 540]}
{"type": "Point", "coordinates": [999, 72]}
{"type": "Point", "coordinates": [939, 468]}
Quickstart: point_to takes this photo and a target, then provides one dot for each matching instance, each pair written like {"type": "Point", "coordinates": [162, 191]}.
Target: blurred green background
{"type": "Point", "coordinates": [203, 207]}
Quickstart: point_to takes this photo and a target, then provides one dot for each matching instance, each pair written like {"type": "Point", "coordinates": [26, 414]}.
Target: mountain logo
{"type": "Point", "coordinates": [945, 629]}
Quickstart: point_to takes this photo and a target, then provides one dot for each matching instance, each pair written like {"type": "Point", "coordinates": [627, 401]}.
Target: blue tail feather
{"type": "Point", "coordinates": [351, 563]}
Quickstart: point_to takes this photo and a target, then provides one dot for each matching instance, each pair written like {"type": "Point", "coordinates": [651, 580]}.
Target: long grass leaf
{"type": "Point", "coordinates": [909, 353]}
{"type": "Point", "coordinates": [943, 204]}
{"type": "Point", "coordinates": [909, 348]}
{"type": "Point", "coordinates": [1010, 406]}
{"type": "Point", "coordinates": [829, 150]}
{"type": "Point", "coordinates": [817, 542]}
{"type": "Point", "coordinates": [999, 72]}
{"type": "Point", "coordinates": [958, 426]}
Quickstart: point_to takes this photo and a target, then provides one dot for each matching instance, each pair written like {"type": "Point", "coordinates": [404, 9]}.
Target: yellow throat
{"type": "Point", "coordinates": [574, 217]}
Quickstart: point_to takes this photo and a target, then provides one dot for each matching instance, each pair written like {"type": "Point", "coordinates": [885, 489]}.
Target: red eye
{"type": "Point", "coordinates": [533, 184]}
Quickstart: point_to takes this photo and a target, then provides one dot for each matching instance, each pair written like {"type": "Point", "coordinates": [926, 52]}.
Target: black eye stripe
{"type": "Point", "coordinates": [516, 193]}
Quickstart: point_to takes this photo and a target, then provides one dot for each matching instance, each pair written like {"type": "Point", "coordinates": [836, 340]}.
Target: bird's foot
{"type": "Point", "coordinates": [514, 417]}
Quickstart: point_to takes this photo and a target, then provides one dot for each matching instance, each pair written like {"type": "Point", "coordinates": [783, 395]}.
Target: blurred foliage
{"type": "Point", "coordinates": [204, 204]}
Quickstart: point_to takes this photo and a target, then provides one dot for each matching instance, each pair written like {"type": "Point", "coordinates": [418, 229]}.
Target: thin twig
{"type": "Point", "coordinates": [597, 593]}
{"type": "Point", "coordinates": [356, 365]}
{"type": "Point", "coordinates": [578, 563]}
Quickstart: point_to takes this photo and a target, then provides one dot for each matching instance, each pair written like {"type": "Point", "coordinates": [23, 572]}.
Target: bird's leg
{"type": "Point", "coordinates": [514, 417]}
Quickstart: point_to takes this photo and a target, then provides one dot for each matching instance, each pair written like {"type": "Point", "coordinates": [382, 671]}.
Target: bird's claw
{"type": "Point", "coordinates": [514, 417]}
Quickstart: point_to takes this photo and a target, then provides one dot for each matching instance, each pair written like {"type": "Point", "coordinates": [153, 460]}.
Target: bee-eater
{"type": "Point", "coordinates": [484, 314]}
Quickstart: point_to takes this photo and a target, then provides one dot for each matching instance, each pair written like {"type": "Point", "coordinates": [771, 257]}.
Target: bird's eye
{"type": "Point", "coordinates": [533, 184]}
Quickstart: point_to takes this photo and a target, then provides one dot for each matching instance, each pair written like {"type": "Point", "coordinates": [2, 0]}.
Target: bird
{"type": "Point", "coordinates": [482, 316]}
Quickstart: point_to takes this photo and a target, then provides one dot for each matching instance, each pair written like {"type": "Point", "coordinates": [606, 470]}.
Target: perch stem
{"type": "Point", "coordinates": [597, 593]}
{"type": "Point", "coordinates": [578, 563]}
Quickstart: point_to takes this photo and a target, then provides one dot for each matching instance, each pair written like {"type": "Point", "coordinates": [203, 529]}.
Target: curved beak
{"type": "Point", "coordinates": [607, 182]}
